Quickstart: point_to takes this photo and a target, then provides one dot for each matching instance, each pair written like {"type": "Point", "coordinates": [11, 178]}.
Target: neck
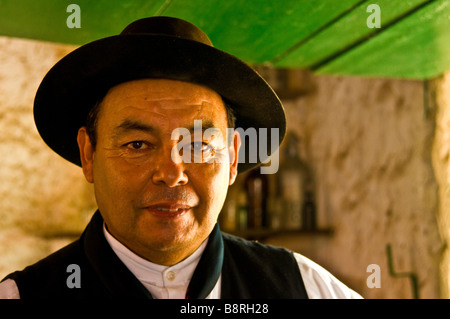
{"type": "Point", "coordinates": [168, 257]}
{"type": "Point", "coordinates": [164, 257]}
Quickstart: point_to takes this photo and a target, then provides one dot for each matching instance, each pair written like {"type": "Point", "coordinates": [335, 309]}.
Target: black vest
{"type": "Point", "coordinates": [250, 270]}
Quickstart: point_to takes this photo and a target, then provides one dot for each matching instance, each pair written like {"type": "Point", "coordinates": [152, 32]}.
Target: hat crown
{"type": "Point", "coordinates": [167, 26]}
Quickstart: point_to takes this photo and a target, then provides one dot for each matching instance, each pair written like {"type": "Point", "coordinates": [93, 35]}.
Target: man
{"type": "Point", "coordinates": [147, 115]}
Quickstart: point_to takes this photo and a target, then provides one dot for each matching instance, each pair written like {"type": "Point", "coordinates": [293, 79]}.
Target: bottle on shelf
{"type": "Point", "coordinates": [292, 176]}
{"type": "Point", "coordinates": [242, 212]}
{"type": "Point", "coordinates": [309, 210]}
{"type": "Point", "coordinates": [275, 216]}
{"type": "Point", "coordinates": [229, 215]}
{"type": "Point", "coordinates": [256, 188]}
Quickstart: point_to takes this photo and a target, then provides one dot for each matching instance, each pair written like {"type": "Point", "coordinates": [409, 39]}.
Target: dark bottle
{"type": "Point", "coordinates": [256, 187]}
{"type": "Point", "coordinates": [292, 176]}
{"type": "Point", "coordinates": [242, 212]}
{"type": "Point", "coordinates": [309, 212]}
{"type": "Point", "coordinates": [229, 214]}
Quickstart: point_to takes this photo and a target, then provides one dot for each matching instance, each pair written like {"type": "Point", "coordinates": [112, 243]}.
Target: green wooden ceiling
{"type": "Point", "coordinates": [327, 36]}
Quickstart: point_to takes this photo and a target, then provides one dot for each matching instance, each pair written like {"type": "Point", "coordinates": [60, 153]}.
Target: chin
{"type": "Point", "coordinates": [167, 236]}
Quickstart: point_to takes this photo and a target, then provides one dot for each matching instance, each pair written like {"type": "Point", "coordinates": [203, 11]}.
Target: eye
{"type": "Point", "coordinates": [201, 147]}
{"type": "Point", "coordinates": [137, 145]}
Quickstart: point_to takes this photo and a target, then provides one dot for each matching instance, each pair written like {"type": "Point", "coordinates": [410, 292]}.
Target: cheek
{"type": "Point", "coordinates": [211, 183]}
{"type": "Point", "coordinates": [117, 186]}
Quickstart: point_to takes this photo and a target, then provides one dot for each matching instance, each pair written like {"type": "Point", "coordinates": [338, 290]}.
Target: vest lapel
{"type": "Point", "coordinates": [115, 277]}
{"type": "Point", "coordinates": [209, 267]}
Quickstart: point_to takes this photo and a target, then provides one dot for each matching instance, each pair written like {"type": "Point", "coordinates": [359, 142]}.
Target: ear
{"type": "Point", "coordinates": [86, 154]}
{"type": "Point", "coordinates": [234, 156]}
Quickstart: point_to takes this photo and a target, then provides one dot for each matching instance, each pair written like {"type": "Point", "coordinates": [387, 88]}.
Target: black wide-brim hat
{"type": "Point", "coordinates": [155, 47]}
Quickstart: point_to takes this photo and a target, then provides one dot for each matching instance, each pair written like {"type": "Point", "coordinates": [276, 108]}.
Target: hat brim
{"type": "Point", "coordinates": [80, 79]}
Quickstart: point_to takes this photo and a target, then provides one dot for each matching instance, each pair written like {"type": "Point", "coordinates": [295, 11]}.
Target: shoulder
{"type": "Point", "coordinates": [9, 290]}
{"type": "Point", "coordinates": [52, 270]}
{"type": "Point", "coordinates": [254, 252]}
{"type": "Point", "coordinates": [245, 245]}
{"type": "Point", "coordinates": [60, 259]}
{"type": "Point", "coordinates": [320, 283]}
{"type": "Point", "coordinates": [255, 270]}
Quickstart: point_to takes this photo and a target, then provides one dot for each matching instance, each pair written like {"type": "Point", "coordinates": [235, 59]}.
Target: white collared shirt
{"type": "Point", "coordinates": [163, 282]}
{"type": "Point", "coordinates": [171, 282]}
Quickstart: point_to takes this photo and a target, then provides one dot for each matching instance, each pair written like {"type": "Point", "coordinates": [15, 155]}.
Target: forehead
{"type": "Point", "coordinates": [163, 97]}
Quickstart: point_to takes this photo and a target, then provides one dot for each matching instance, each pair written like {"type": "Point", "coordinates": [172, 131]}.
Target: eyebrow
{"type": "Point", "coordinates": [206, 124]}
{"type": "Point", "coordinates": [132, 125]}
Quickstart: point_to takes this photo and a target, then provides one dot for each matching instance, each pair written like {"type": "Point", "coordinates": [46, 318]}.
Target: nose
{"type": "Point", "coordinates": [169, 172]}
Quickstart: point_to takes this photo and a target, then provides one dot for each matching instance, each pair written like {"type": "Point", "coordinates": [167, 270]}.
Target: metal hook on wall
{"type": "Point", "coordinates": [412, 276]}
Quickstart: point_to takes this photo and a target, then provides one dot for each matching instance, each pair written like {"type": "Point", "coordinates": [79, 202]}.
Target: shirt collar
{"type": "Point", "coordinates": [155, 274]}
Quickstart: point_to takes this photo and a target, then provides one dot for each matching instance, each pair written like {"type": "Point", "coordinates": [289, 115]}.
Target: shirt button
{"type": "Point", "coordinates": [170, 275]}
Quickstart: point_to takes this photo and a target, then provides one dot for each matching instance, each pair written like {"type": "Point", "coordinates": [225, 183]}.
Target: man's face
{"type": "Point", "coordinates": [159, 208]}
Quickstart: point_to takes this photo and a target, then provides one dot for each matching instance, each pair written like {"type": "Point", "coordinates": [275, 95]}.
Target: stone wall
{"type": "Point", "coordinates": [369, 142]}
{"type": "Point", "coordinates": [44, 200]}
{"type": "Point", "coordinates": [439, 96]}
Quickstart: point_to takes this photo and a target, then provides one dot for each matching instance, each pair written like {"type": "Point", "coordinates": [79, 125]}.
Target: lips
{"type": "Point", "coordinates": [168, 210]}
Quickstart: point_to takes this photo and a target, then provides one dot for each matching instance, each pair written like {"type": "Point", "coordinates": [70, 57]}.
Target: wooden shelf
{"type": "Point", "coordinates": [260, 234]}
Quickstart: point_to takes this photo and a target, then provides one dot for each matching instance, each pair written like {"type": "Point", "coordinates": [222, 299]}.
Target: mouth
{"type": "Point", "coordinates": [168, 210]}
